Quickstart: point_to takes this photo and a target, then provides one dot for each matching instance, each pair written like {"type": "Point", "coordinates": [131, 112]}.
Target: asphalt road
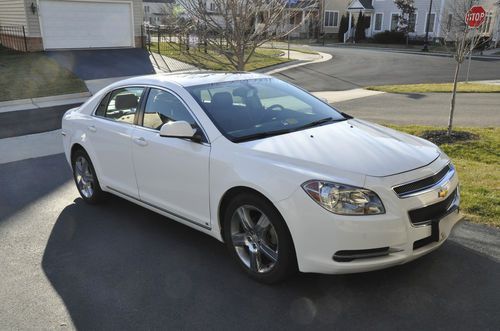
{"type": "Point", "coordinates": [355, 68]}
{"type": "Point", "coordinates": [472, 109]}
{"type": "Point", "coordinates": [66, 264]}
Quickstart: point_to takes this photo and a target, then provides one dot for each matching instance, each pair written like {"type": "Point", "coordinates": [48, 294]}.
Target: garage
{"type": "Point", "coordinates": [86, 24]}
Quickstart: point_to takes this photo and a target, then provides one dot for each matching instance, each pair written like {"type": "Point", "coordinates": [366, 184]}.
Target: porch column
{"type": "Point", "coordinates": [349, 29]}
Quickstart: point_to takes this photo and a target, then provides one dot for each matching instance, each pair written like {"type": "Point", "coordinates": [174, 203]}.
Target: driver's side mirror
{"type": "Point", "coordinates": [179, 129]}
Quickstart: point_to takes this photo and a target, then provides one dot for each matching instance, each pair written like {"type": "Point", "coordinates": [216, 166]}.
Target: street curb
{"type": "Point", "coordinates": [41, 102]}
{"type": "Point", "coordinates": [404, 51]}
{"type": "Point", "coordinates": [324, 57]}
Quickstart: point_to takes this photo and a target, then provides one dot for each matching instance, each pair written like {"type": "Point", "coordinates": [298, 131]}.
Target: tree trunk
{"type": "Point", "coordinates": [241, 62]}
{"type": "Point", "coordinates": [453, 97]}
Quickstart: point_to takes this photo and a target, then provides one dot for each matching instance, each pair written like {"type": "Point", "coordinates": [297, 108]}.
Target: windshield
{"type": "Point", "coordinates": [258, 108]}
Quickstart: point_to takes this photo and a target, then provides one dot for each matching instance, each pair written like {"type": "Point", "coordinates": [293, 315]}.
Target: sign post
{"type": "Point", "coordinates": [474, 18]}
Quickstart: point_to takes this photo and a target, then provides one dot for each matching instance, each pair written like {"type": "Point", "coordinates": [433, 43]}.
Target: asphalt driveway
{"type": "Point", "coordinates": [66, 264]}
{"type": "Point", "coordinates": [104, 63]}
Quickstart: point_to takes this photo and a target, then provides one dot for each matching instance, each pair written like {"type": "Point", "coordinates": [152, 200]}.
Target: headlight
{"type": "Point", "coordinates": [344, 199]}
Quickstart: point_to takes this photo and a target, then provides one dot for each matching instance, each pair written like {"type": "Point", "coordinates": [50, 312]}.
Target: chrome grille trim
{"type": "Point", "coordinates": [424, 185]}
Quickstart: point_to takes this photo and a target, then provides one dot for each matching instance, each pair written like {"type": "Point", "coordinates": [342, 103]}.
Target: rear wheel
{"type": "Point", "coordinates": [258, 239]}
{"type": "Point", "coordinates": [85, 178]}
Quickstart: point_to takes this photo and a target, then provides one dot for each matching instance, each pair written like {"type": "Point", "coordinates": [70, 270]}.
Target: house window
{"type": "Point", "coordinates": [412, 21]}
{"type": "Point", "coordinates": [331, 18]}
{"type": "Point", "coordinates": [394, 22]}
{"type": "Point", "coordinates": [146, 9]}
{"type": "Point", "coordinates": [432, 17]}
{"type": "Point", "coordinates": [378, 21]}
{"type": "Point", "coordinates": [212, 6]}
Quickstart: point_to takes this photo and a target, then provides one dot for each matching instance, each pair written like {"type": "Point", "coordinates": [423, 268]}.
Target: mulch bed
{"type": "Point", "coordinates": [440, 137]}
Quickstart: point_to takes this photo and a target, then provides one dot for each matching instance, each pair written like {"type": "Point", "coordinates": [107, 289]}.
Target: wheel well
{"type": "Point", "coordinates": [228, 196]}
{"type": "Point", "coordinates": [74, 148]}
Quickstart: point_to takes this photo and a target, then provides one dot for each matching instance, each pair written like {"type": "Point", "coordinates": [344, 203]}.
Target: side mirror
{"type": "Point", "coordinates": [179, 129]}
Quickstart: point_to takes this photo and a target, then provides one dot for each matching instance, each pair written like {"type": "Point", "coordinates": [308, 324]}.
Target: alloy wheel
{"type": "Point", "coordinates": [254, 238]}
{"type": "Point", "coordinates": [84, 177]}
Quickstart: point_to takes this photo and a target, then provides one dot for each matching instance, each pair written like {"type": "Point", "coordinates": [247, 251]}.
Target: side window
{"type": "Point", "coordinates": [123, 104]}
{"type": "Point", "coordinates": [163, 107]}
{"type": "Point", "coordinates": [101, 109]}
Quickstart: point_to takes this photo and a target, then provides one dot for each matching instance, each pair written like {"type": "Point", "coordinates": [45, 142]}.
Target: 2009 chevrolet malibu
{"type": "Point", "coordinates": [284, 179]}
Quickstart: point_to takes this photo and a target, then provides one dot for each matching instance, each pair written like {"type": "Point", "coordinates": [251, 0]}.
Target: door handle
{"type": "Point", "coordinates": [92, 128]}
{"type": "Point", "coordinates": [140, 141]}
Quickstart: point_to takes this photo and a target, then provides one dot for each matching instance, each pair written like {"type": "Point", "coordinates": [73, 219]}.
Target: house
{"type": "Point", "coordinates": [383, 15]}
{"type": "Point", "coordinates": [156, 12]}
{"type": "Point", "coordinates": [333, 10]}
{"type": "Point", "coordinates": [310, 18]}
{"type": "Point", "coordinates": [68, 24]}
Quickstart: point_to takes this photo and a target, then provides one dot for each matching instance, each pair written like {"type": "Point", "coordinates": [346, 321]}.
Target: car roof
{"type": "Point", "coordinates": [186, 79]}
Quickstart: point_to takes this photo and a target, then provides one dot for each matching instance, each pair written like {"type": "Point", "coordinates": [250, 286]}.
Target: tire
{"type": "Point", "coordinates": [263, 249]}
{"type": "Point", "coordinates": [85, 178]}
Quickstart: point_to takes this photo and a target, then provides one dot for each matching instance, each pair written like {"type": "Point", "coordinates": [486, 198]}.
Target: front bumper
{"type": "Point", "coordinates": [320, 235]}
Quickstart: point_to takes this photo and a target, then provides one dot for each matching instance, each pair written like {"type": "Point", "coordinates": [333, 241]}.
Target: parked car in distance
{"type": "Point", "coordinates": [284, 179]}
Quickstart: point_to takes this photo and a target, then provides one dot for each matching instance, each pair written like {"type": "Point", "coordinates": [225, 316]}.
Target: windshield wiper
{"type": "Point", "coordinates": [260, 135]}
{"type": "Point", "coordinates": [319, 122]}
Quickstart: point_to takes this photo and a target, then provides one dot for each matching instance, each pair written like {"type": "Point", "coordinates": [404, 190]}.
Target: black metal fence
{"type": "Point", "coordinates": [13, 37]}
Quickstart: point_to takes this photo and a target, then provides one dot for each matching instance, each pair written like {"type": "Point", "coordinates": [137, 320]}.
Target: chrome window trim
{"type": "Point", "coordinates": [446, 178]}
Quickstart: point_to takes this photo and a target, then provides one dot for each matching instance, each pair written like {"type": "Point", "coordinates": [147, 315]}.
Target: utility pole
{"type": "Point", "coordinates": [426, 42]}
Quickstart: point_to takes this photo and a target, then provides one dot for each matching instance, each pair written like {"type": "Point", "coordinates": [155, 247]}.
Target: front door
{"type": "Point", "coordinates": [172, 173]}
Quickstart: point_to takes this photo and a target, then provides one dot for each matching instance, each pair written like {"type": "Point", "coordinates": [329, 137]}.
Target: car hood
{"type": "Point", "coordinates": [354, 146]}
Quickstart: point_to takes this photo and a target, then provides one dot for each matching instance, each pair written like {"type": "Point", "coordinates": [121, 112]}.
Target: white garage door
{"type": "Point", "coordinates": [85, 24]}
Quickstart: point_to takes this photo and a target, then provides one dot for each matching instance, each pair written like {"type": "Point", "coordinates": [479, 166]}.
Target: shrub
{"type": "Point", "coordinates": [390, 37]}
{"type": "Point", "coordinates": [344, 26]}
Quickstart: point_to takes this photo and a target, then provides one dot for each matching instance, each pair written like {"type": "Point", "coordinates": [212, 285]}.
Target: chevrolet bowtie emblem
{"type": "Point", "coordinates": [442, 193]}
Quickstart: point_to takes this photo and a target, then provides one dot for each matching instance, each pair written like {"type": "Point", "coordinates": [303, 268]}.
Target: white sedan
{"type": "Point", "coordinates": [284, 179]}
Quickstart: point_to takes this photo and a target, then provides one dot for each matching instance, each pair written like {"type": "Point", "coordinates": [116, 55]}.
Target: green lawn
{"type": "Point", "coordinates": [262, 58]}
{"type": "Point", "coordinates": [477, 163]}
{"type": "Point", "coordinates": [31, 75]}
{"type": "Point", "coordinates": [437, 88]}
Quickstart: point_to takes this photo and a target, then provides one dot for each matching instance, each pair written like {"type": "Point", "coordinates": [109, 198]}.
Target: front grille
{"type": "Point", "coordinates": [432, 212]}
{"type": "Point", "coordinates": [421, 184]}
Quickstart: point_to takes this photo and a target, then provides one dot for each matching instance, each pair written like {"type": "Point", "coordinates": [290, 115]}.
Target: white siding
{"type": "Point", "coordinates": [12, 12]}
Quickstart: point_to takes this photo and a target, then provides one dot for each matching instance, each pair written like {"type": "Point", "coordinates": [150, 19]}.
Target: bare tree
{"type": "Point", "coordinates": [235, 28]}
{"type": "Point", "coordinates": [464, 40]}
{"type": "Point", "coordinates": [408, 9]}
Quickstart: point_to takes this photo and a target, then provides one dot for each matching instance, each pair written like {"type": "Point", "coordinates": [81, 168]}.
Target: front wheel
{"type": "Point", "coordinates": [258, 239]}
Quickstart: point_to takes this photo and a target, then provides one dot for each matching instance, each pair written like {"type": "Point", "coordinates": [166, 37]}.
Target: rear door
{"type": "Point", "coordinates": [172, 173]}
{"type": "Point", "coordinates": [111, 139]}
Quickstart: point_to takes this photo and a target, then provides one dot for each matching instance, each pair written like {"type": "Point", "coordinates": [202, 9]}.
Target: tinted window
{"type": "Point", "coordinates": [101, 109]}
{"type": "Point", "coordinates": [163, 107]}
{"type": "Point", "coordinates": [123, 104]}
{"type": "Point", "coordinates": [248, 109]}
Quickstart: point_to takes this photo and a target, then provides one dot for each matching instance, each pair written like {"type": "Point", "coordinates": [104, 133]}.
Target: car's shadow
{"type": "Point", "coordinates": [119, 266]}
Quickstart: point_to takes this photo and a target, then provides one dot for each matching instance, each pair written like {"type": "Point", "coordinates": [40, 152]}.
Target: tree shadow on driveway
{"type": "Point", "coordinates": [119, 266]}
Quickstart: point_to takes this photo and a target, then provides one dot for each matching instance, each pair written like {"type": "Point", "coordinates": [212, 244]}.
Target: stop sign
{"type": "Point", "coordinates": [475, 16]}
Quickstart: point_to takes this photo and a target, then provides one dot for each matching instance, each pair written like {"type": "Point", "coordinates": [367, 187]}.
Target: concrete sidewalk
{"type": "Point", "coordinates": [43, 102]}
